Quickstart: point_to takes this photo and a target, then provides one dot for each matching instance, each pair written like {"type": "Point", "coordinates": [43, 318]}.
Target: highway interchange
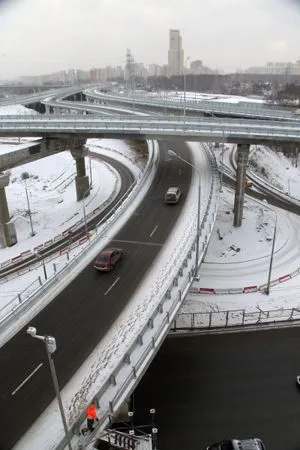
{"type": "Point", "coordinates": [81, 315]}
{"type": "Point", "coordinates": [205, 388]}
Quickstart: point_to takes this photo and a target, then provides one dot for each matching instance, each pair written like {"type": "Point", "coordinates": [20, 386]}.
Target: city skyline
{"type": "Point", "coordinates": [45, 37]}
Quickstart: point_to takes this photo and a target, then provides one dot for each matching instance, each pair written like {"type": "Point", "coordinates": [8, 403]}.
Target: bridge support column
{"type": "Point", "coordinates": [242, 161]}
{"type": "Point", "coordinates": [123, 412]}
{"type": "Point", "coordinates": [8, 236]}
{"type": "Point", "coordinates": [47, 109]}
{"type": "Point", "coordinates": [81, 180]}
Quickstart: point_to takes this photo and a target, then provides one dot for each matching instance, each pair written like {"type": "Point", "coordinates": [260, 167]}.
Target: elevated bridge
{"type": "Point", "coordinates": [120, 127]}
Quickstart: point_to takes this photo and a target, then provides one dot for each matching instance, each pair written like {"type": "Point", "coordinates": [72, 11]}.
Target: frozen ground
{"type": "Point", "coordinates": [276, 169]}
{"type": "Point", "coordinates": [239, 257]}
{"type": "Point", "coordinates": [204, 96]}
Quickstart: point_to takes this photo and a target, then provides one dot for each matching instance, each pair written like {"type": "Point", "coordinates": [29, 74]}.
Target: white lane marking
{"type": "Point", "coordinates": [153, 231]}
{"type": "Point", "coordinates": [26, 379]}
{"type": "Point", "coordinates": [110, 288]}
{"type": "Point", "coordinates": [137, 242]}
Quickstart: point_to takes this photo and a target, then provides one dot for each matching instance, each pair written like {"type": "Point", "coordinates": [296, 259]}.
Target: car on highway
{"type": "Point", "coordinates": [172, 195]}
{"type": "Point", "coordinates": [108, 258]}
{"type": "Point", "coordinates": [238, 444]}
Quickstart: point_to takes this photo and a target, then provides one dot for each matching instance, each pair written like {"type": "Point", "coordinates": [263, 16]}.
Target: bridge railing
{"type": "Point", "coordinates": [254, 131]}
{"type": "Point", "coordinates": [142, 120]}
{"type": "Point", "coordinates": [213, 105]}
{"type": "Point", "coordinates": [201, 321]}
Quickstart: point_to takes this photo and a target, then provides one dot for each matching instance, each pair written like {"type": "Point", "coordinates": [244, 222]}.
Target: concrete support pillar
{"type": "Point", "coordinates": [242, 161]}
{"type": "Point", "coordinates": [8, 234]}
{"type": "Point", "coordinates": [81, 180]}
{"type": "Point", "coordinates": [47, 109]}
{"type": "Point", "coordinates": [123, 413]}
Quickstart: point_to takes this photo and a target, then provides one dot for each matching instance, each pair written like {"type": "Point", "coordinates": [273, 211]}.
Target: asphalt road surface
{"type": "Point", "coordinates": [212, 387]}
{"type": "Point", "coordinates": [81, 315]}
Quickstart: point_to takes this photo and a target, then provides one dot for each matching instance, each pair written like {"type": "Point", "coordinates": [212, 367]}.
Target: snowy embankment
{"type": "Point", "coordinates": [240, 257]}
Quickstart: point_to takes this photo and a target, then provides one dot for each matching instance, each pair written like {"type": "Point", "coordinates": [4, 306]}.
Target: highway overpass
{"type": "Point", "coordinates": [163, 127]}
{"type": "Point", "coordinates": [213, 107]}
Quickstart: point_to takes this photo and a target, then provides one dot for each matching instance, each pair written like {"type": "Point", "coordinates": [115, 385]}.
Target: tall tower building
{"type": "Point", "coordinates": [175, 53]}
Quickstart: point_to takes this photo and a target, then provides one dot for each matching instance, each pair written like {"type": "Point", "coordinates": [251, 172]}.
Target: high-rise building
{"type": "Point", "coordinates": [175, 53]}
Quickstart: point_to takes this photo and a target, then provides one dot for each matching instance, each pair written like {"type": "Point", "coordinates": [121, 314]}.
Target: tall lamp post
{"type": "Point", "coordinates": [50, 344]}
{"type": "Point", "coordinates": [91, 172]}
{"type": "Point", "coordinates": [222, 162]}
{"type": "Point", "coordinates": [272, 255]}
{"type": "Point", "coordinates": [184, 84]}
{"type": "Point", "coordinates": [25, 175]}
{"type": "Point", "coordinates": [84, 212]}
{"type": "Point", "coordinates": [174, 155]}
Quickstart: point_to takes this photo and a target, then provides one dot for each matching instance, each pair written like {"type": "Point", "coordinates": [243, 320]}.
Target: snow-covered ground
{"type": "Point", "coordinates": [276, 169]}
{"type": "Point", "coordinates": [16, 109]}
{"type": "Point", "coordinates": [179, 95]}
{"type": "Point", "coordinates": [240, 257]}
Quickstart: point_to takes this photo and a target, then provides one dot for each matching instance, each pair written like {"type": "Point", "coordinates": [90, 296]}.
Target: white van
{"type": "Point", "coordinates": [172, 195]}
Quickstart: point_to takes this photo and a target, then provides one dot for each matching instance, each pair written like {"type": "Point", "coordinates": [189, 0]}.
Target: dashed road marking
{"type": "Point", "coordinates": [110, 288]}
{"type": "Point", "coordinates": [26, 379]}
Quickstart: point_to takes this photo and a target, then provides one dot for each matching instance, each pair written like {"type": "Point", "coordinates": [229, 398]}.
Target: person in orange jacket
{"type": "Point", "coordinates": [91, 416]}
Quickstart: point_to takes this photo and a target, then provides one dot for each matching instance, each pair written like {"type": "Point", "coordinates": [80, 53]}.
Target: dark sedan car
{"type": "Point", "coordinates": [108, 258]}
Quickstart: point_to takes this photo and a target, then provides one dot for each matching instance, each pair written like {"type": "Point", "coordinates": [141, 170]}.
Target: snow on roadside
{"type": "Point", "coordinates": [16, 109]}
{"type": "Point", "coordinates": [239, 257]}
{"type": "Point", "coordinates": [52, 199]}
{"type": "Point", "coordinates": [276, 168]}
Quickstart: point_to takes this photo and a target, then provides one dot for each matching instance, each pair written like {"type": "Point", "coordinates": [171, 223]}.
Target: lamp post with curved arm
{"type": "Point", "coordinates": [272, 255]}
{"type": "Point", "coordinates": [184, 84]}
{"type": "Point", "coordinates": [174, 155]}
{"type": "Point", "coordinates": [50, 344]}
{"type": "Point", "coordinates": [267, 291]}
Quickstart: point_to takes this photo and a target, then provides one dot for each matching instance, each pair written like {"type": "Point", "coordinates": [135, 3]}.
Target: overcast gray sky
{"type": "Point", "coordinates": [42, 36]}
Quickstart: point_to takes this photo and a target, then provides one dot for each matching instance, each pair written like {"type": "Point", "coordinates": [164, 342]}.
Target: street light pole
{"type": "Point", "coordinates": [91, 173]}
{"type": "Point", "coordinates": [222, 160]}
{"type": "Point", "coordinates": [50, 344]}
{"type": "Point", "coordinates": [29, 211]}
{"type": "Point", "coordinates": [184, 84]}
{"type": "Point", "coordinates": [174, 155]}
{"type": "Point", "coordinates": [84, 212]}
{"type": "Point", "coordinates": [272, 255]}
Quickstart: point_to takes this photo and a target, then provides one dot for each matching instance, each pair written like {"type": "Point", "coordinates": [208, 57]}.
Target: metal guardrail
{"type": "Point", "coordinates": [232, 318]}
{"type": "Point", "coordinates": [21, 307]}
{"type": "Point", "coordinates": [27, 255]}
{"type": "Point", "coordinates": [207, 129]}
{"type": "Point", "coordinates": [39, 96]}
{"type": "Point", "coordinates": [197, 105]}
{"type": "Point", "coordinates": [125, 375]}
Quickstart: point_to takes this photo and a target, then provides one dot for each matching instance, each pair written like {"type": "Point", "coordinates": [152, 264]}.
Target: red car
{"type": "Point", "coordinates": [108, 258]}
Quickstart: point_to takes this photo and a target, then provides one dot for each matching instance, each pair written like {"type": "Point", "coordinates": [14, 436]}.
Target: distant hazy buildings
{"type": "Point", "coordinates": [131, 72]}
{"type": "Point", "coordinates": [197, 68]}
{"type": "Point", "coordinates": [175, 53]}
{"type": "Point", "coordinates": [276, 68]}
